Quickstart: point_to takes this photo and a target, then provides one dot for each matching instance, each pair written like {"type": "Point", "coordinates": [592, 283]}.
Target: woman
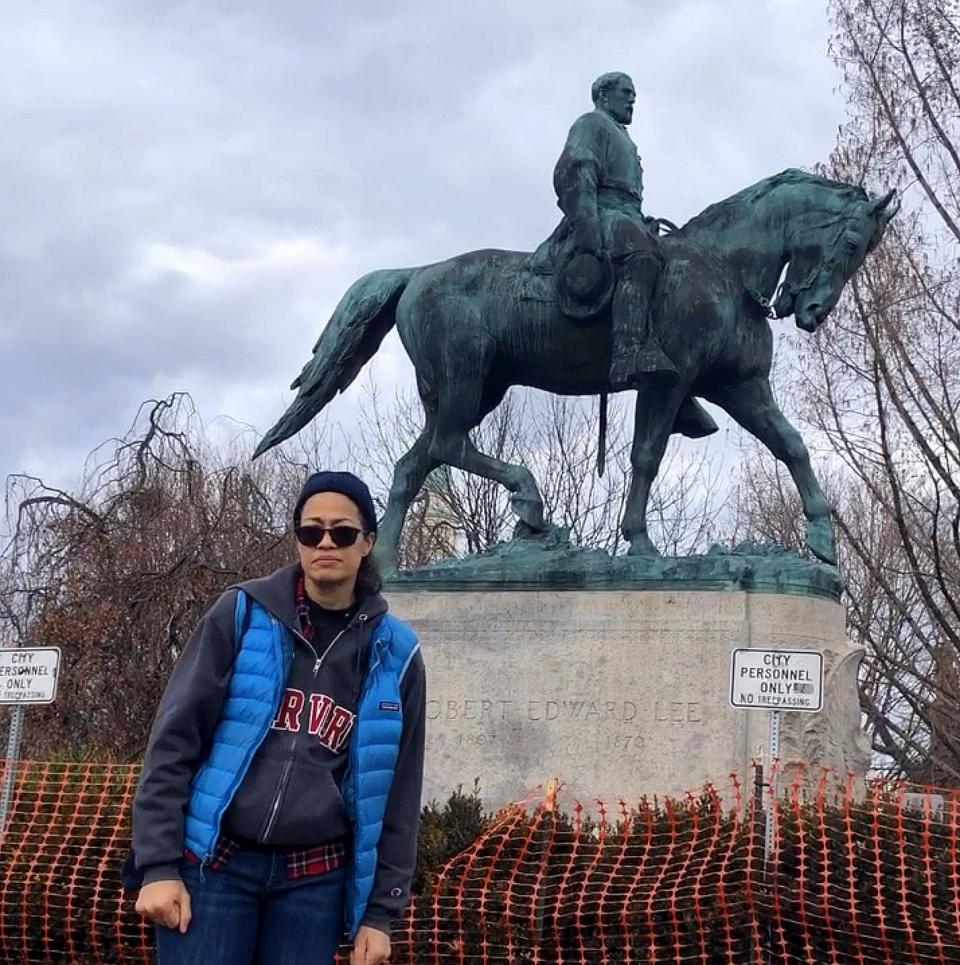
{"type": "Point", "coordinates": [280, 794]}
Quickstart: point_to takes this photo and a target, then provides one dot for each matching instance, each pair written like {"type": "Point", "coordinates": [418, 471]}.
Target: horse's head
{"type": "Point", "coordinates": [825, 249]}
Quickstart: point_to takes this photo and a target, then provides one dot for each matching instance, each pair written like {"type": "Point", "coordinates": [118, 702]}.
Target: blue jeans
{"type": "Point", "coordinates": [250, 912]}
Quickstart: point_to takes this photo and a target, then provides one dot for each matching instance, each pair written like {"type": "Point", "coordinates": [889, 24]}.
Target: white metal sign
{"type": "Point", "coordinates": [777, 679]}
{"type": "Point", "coordinates": [28, 675]}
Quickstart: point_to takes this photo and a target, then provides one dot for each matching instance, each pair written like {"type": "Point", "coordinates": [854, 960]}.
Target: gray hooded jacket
{"type": "Point", "coordinates": [290, 796]}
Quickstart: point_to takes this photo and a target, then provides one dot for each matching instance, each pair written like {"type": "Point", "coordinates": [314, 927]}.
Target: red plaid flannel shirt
{"type": "Point", "coordinates": [300, 861]}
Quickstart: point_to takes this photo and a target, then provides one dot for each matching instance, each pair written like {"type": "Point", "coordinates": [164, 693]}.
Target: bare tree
{"type": "Point", "coordinates": [879, 390]}
{"type": "Point", "coordinates": [118, 573]}
{"type": "Point", "coordinates": [556, 438]}
{"type": "Point", "coordinates": [884, 387]}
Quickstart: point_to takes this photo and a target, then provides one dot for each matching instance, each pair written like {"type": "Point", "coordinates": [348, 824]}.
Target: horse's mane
{"type": "Point", "coordinates": [723, 212]}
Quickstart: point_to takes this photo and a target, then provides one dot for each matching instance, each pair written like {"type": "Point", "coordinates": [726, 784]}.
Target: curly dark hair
{"type": "Point", "coordinates": [369, 580]}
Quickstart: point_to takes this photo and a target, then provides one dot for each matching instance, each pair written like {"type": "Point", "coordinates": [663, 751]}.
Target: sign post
{"type": "Point", "coordinates": [773, 743]}
{"type": "Point", "coordinates": [28, 675]}
{"type": "Point", "coordinates": [777, 681]}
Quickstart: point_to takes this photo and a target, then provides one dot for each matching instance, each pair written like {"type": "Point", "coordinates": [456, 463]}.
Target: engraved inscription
{"type": "Point", "coordinates": [622, 710]}
{"type": "Point", "coordinates": [625, 742]}
{"type": "Point", "coordinates": [503, 726]}
{"type": "Point", "coordinates": [677, 711]}
{"type": "Point", "coordinates": [472, 709]}
{"type": "Point", "coordinates": [489, 709]}
{"type": "Point", "coordinates": [446, 741]}
{"type": "Point", "coordinates": [534, 711]}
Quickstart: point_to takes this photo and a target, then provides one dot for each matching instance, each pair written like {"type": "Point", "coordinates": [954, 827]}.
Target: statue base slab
{"type": "Point", "coordinates": [616, 692]}
{"type": "Point", "coordinates": [552, 561]}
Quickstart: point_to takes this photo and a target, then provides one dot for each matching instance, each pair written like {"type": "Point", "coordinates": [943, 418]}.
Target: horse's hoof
{"type": "Point", "coordinates": [642, 546]}
{"type": "Point", "coordinates": [524, 530]}
{"type": "Point", "coordinates": [820, 540]}
{"type": "Point", "coordinates": [529, 513]}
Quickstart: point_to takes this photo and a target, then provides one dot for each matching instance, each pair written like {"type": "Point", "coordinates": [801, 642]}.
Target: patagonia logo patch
{"type": "Point", "coordinates": [389, 705]}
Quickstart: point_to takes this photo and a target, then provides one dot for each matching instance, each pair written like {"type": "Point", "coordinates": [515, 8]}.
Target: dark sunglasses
{"type": "Point", "coordinates": [342, 536]}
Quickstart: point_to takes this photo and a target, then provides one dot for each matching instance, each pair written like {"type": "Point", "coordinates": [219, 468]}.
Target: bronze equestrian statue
{"type": "Point", "coordinates": [606, 303]}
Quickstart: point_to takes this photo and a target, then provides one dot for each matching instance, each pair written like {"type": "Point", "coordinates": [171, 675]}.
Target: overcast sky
{"type": "Point", "coordinates": [190, 187]}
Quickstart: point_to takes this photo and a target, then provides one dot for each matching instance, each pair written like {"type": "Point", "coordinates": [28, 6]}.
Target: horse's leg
{"type": "Point", "coordinates": [409, 476]}
{"type": "Point", "coordinates": [753, 406]}
{"type": "Point", "coordinates": [656, 411]}
{"type": "Point", "coordinates": [462, 406]}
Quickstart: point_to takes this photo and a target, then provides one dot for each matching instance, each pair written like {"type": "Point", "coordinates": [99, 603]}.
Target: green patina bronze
{"type": "Point", "coordinates": [607, 303]}
{"type": "Point", "coordinates": [554, 563]}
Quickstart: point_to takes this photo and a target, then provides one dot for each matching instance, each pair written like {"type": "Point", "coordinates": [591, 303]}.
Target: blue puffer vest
{"type": "Point", "coordinates": [260, 669]}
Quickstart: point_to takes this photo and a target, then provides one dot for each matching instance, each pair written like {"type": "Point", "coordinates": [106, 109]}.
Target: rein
{"type": "Point", "coordinates": [765, 303]}
{"type": "Point", "coordinates": [789, 288]}
{"type": "Point", "coordinates": [784, 287]}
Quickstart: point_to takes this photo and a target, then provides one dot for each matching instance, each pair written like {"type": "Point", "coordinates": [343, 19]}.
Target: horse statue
{"type": "Point", "coordinates": [481, 322]}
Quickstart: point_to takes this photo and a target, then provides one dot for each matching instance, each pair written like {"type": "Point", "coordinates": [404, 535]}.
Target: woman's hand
{"type": "Point", "coordinates": [167, 903]}
{"type": "Point", "coordinates": [370, 947]}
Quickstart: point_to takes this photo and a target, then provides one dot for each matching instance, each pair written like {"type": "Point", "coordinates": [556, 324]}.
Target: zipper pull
{"type": "Point", "coordinates": [316, 666]}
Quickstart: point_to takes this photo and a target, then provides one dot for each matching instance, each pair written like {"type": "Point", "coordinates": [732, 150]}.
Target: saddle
{"type": "Point", "coordinates": [596, 282]}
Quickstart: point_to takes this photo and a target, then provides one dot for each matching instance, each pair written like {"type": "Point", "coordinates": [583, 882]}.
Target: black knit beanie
{"type": "Point", "coordinates": [347, 485]}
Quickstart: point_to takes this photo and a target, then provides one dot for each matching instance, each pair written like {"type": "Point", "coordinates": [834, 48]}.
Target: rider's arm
{"type": "Point", "coordinates": [575, 179]}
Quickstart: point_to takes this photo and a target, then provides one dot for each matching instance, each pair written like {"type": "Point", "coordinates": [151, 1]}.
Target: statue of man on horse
{"type": "Point", "coordinates": [603, 305]}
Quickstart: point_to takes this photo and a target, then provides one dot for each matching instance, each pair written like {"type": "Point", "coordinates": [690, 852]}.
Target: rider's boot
{"type": "Point", "coordinates": [636, 353]}
{"type": "Point", "coordinates": [693, 420]}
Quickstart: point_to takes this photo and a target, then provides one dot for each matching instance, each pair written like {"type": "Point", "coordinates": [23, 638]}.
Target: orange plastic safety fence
{"type": "Point", "coordinates": [854, 876]}
{"type": "Point", "coordinates": [61, 852]}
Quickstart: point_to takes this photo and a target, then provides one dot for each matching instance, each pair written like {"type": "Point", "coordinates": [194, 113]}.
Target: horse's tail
{"type": "Point", "coordinates": [352, 336]}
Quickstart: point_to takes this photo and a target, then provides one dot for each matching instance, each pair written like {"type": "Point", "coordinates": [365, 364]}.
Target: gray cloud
{"type": "Point", "coordinates": [191, 187]}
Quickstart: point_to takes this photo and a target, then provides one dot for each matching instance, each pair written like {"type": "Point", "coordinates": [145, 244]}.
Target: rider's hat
{"type": "Point", "coordinates": [584, 285]}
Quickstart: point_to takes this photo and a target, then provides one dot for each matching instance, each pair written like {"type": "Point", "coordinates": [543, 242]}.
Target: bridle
{"type": "Point", "coordinates": [792, 289]}
{"type": "Point", "coordinates": [788, 288]}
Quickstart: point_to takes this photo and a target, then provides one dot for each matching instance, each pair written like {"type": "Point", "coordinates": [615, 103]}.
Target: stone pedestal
{"type": "Point", "coordinates": [615, 691]}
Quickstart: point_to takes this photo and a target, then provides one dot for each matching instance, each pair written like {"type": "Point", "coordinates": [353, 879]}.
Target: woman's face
{"type": "Point", "coordinates": [328, 564]}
